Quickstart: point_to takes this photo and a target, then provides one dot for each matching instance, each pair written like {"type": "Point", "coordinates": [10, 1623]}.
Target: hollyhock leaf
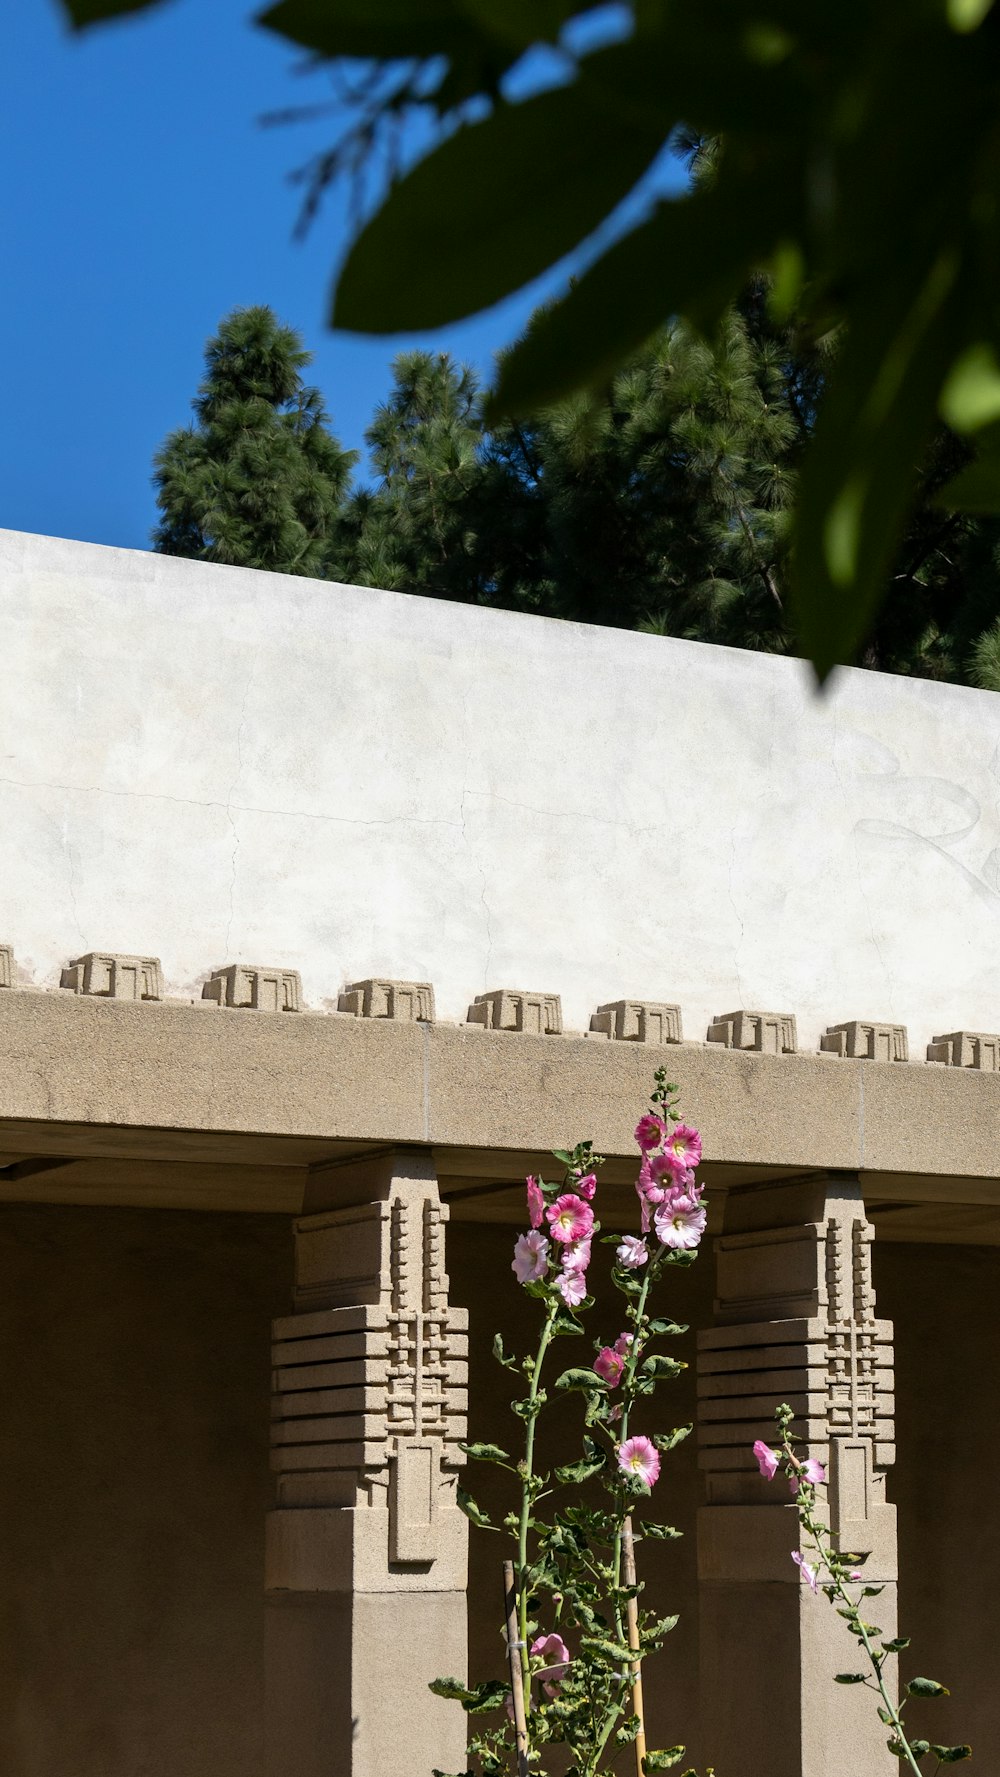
{"type": "Point", "coordinates": [919, 1747]}
{"type": "Point", "coordinates": [927, 1687]}
{"type": "Point", "coordinates": [669, 1440]}
{"type": "Point", "coordinates": [563, 1158]}
{"type": "Point", "coordinates": [571, 1472]}
{"type": "Point", "coordinates": [897, 1645]}
{"type": "Point", "coordinates": [663, 1329]}
{"type": "Point", "coordinates": [491, 1695]}
{"type": "Point", "coordinates": [605, 1651]}
{"type": "Point", "coordinates": [566, 1324]}
{"type": "Point", "coordinates": [474, 1513]}
{"type": "Point", "coordinates": [951, 1755]}
{"type": "Point", "coordinates": [883, 1715]}
{"type": "Point", "coordinates": [502, 1356]}
{"type": "Point", "coordinates": [582, 1379]}
{"type": "Point", "coordinates": [452, 1688]}
{"type": "Point", "coordinates": [486, 1453]}
{"type": "Point", "coordinates": [658, 1366]}
{"type": "Point", "coordinates": [872, 1591]}
{"type": "Point", "coordinates": [660, 1628]}
{"type": "Point", "coordinates": [661, 1532]}
{"type": "Point", "coordinates": [662, 1761]}
{"type": "Point", "coordinates": [851, 1678]}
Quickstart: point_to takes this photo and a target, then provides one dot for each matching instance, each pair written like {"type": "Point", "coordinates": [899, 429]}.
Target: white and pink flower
{"type": "Point", "coordinates": [680, 1222]}
{"type": "Point", "coordinates": [622, 1343]}
{"type": "Point", "coordinates": [572, 1286]}
{"type": "Point", "coordinates": [586, 1186]}
{"type": "Point", "coordinates": [554, 1651]}
{"type": "Point", "coordinates": [684, 1145]}
{"type": "Point", "coordinates": [576, 1256]}
{"type": "Point", "coordinates": [631, 1252]}
{"type": "Point", "coordinates": [811, 1471]}
{"type": "Point", "coordinates": [536, 1201]}
{"type": "Point", "coordinates": [809, 1574]}
{"type": "Point", "coordinates": [640, 1460]}
{"type": "Point", "coordinates": [531, 1257]}
{"type": "Point", "coordinates": [569, 1218]}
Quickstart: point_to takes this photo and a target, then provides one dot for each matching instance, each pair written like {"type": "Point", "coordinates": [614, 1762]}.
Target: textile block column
{"type": "Point", "coordinates": [796, 1322]}
{"type": "Point", "coordinates": [366, 1553]}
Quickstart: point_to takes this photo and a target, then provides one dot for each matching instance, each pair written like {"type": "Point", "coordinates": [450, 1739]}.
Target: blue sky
{"type": "Point", "coordinates": [142, 201]}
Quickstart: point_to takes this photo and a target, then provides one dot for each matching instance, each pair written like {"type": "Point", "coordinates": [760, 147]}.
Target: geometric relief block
{"type": "Point", "coordinates": [6, 966]}
{"type": "Point", "coordinates": [245, 987]}
{"type": "Point", "coordinates": [638, 1021]}
{"type": "Point", "coordinates": [370, 1377]}
{"type": "Point", "coordinates": [108, 976]}
{"type": "Point", "coordinates": [535, 1014]}
{"type": "Point", "coordinates": [769, 1033]}
{"type": "Point", "coordinates": [801, 1327]}
{"type": "Point", "coordinates": [977, 1049]}
{"type": "Point", "coordinates": [864, 1040]}
{"type": "Point", "coordinates": [406, 1000]}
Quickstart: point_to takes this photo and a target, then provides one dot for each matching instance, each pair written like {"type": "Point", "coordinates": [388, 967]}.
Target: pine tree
{"type": "Point", "coordinates": [258, 480]}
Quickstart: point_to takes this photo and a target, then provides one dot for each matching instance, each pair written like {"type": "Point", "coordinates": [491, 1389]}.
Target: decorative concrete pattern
{"type": "Point", "coordinates": [638, 1021]}
{"type": "Point", "coordinates": [251, 989]}
{"type": "Point", "coordinates": [863, 1040]}
{"type": "Point", "coordinates": [115, 977]}
{"type": "Point", "coordinates": [770, 1033]}
{"type": "Point", "coordinates": [413, 1000]}
{"type": "Point", "coordinates": [977, 1049]}
{"type": "Point", "coordinates": [534, 1014]}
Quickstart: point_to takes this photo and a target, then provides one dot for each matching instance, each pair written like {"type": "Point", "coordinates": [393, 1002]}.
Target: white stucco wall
{"type": "Point", "coordinates": [212, 765]}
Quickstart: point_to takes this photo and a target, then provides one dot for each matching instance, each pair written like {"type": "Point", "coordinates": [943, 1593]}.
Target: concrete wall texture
{"type": "Point", "coordinates": [209, 764]}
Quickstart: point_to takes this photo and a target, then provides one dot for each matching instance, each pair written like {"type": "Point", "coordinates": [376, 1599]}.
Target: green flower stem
{"type": "Point", "coordinates": [526, 1496]}
{"type": "Point", "coordinates": [831, 1561]}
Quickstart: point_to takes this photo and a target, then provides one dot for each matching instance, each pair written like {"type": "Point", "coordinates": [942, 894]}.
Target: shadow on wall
{"type": "Point", "coordinates": [134, 1374]}
{"type": "Point", "coordinates": [943, 1301]}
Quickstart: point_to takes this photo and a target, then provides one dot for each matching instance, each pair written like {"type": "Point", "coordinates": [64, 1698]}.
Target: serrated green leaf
{"type": "Point", "coordinates": [485, 1453]}
{"type": "Point", "coordinates": [670, 1440]}
{"type": "Point", "coordinates": [491, 1695]}
{"type": "Point", "coordinates": [662, 1761]}
{"type": "Point", "coordinates": [474, 1513]}
{"type": "Point", "coordinates": [586, 1380]}
{"type": "Point", "coordinates": [452, 1688]}
{"type": "Point", "coordinates": [489, 209]}
{"type": "Point", "coordinates": [660, 1532]}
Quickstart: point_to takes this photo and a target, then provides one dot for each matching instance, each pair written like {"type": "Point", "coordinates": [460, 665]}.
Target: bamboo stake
{"type": "Point", "coordinates": [515, 1656]}
{"type": "Point", "coordinates": [632, 1617]}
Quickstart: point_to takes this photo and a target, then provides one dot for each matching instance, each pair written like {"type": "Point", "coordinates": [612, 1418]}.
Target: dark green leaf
{"type": "Point", "coordinates": [452, 1688]}
{"type": "Point", "coordinates": [670, 1440]}
{"type": "Point", "coordinates": [659, 1329]}
{"type": "Point", "coordinates": [951, 1755]}
{"type": "Point", "coordinates": [587, 1380]}
{"type": "Point", "coordinates": [566, 1324]}
{"type": "Point", "coordinates": [897, 1645]}
{"type": "Point", "coordinates": [502, 1356]}
{"type": "Point", "coordinates": [488, 210]}
{"type": "Point", "coordinates": [977, 487]}
{"type": "Point", "coordinates": [659, 1367]}
{"type": "Point", "coordinates": [660, 1532]}
{"type": "Point", "coordinates": [475, 1515]}
{"type": "Point", "coordinates": [491, 1695]}
{"type": "Point", "coordinates": [927, 1687]}
{"type": "Point", "coordinates": [851, 1678]}
{"type": "Point", "coordinates": [662, 1761]}
{"type": "Point", "coordinates": [485, 1453]}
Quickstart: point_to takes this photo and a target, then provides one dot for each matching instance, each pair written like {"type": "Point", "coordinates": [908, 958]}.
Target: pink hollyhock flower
{"type": "Point", "coordinates": [649, 1132]}
{"type": "Point", "coordinates": [572, 1286]}
{"type": "Point", "coordinates": [531, 1257]}
{"type": "Point", "coordinates": [586, 1186]}
{"type": "Point", "coordinates": [623, 1342]}
{"type": "Point", "coordinates": [536, 1201]}
{"type": "Point", "coordinates": [811, 1471]}
{"type": "Point", "coordinates": [684, 1143]}
{"type": "Point", "coordinates": [569, 1218]}
{"type": "Point", "coordinates": [554, 1649]}
{"type": "Point", "coordinates": [767, 1459]}
{"type": "Point", "coordinates": [615, 1414]}
{"type": "Point", "coordinates": [680, 1222]}
{"type": "Point", "coordinates": [576, 1256]}
{"type": "Point", "coordinates": [609, 1365]}
{"type": "Point", "coordinates": [808, 1573]}
{"type": "Point", "coordinates": [640, 1459]}
{"type": "Point", "coordinates": [632, 1252]}
{"type": "Point", "coordinates": [856, 1575]}
{"type": "Point", "coordinates": [646, 1219]}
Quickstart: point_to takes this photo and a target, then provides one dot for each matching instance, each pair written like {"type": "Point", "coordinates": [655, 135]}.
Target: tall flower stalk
{"type": "Point", "coordinates": [839, 1576]}
{"type": "Point", "coordinates": [581, 1631]}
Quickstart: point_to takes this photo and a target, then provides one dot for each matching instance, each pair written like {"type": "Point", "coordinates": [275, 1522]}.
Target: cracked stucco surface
{"type": "Point", "coordinates": [211, 765]}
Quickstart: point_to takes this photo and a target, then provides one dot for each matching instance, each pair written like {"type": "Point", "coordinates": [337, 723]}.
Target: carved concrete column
{"type": "Point", "coordinates": [366, 1551]}
{"type": "Point", "coordinates": [796, 1322]}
